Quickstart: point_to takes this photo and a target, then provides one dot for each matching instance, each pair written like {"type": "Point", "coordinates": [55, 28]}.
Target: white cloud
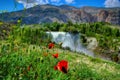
{"type": "Point", "coordinates": [31, 3]}
{"type": "Point", "coordinates": [55, 0]}
{"type": "Point", "coordinates": [112, 3]}
{"type": "Point", "coordinates": [69, 1]}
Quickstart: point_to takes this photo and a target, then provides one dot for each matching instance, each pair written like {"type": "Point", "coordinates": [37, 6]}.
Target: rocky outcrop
{"type": "Point", "coordinates": [110, 16]}
{"type": "Point", "coordinates": [102, 15]}
{"type": "Point", "coordinates": [92, 43]}
{"type": "Point", "coordinates": [63, 13]}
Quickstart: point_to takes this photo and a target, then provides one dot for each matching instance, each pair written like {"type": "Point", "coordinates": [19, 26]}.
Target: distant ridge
{"type": "Point", "coordinates": [63, 13]}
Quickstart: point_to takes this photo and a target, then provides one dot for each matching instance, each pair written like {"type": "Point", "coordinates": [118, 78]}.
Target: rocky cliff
{"type": "Point", "coordinates": [63, 13]}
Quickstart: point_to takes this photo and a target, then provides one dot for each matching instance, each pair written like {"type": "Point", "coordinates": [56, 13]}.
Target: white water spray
{"type": "Point", "coordinates": [71, 41]}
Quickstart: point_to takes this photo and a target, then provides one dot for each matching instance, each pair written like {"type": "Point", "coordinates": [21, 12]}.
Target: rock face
{"type": "Point", "coordinates": [102, 15]}
{"type": "Point", "coordinates": [110, 16]}
{"type": "Point", "coordinates": [63, 13]}
{"type": "Point", "coordinates": [92, 43]}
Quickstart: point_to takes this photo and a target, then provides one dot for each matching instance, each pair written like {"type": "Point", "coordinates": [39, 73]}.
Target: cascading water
{"type": "Point", "coordinates": [71, 41]}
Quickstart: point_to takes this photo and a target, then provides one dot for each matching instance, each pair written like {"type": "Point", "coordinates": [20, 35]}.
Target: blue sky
{"type": "Point", "coordinates": [9, 5]}
{"type": "Point", "coordinates": [12, 5]}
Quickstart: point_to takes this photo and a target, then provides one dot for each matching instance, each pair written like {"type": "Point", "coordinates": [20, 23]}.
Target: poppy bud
{"type": "Point", "coordinates": [55, 55]}
{"type": "Point", "coordinates": [51, 45]}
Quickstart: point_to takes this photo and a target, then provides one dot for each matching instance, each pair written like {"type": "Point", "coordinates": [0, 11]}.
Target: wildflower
{"type": "Point", "coordinates": [1, 23]}
{"type": "Point", "coordinates": [4, 31]}
{"type": "Point", "coordinates": [62, 66]}
{"type": "Point", "coordinates": [41, 59]}
{"type": "Point", "coordinates": [44, 47]}
{"type": "Point", "coordinates": [60, 43]}
{"type": "Point", "coordinates": [55, 55]}
{"type": "Point", "coordinates": [51, 45]}
{"type": "Point", "coordinates": [45, 54]}
{"type": "Point", "coordinates": [28, 68]}
{"type": "Point", "coordinates": [55, 67]}
{"type": "Point", "coordinates": [41, 40]}
{"type": "Point", "coordinates": [24, 49]}
{"type": "Point", "coordinates": [18, 21]}
{"type": "Point", "coordinates": [15, 49]}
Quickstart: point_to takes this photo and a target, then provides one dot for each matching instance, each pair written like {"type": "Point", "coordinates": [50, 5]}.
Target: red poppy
{"type": "Point", "coordinates": [55, 67]}
{"type": "Point", "coordinates": [28, 68]}
{"type": "Point", "coordinates": [62, 66]}
{"type": "Point", "coordinates": [51, 45]}
{"type": "Point", "coordinates": [55, 55]}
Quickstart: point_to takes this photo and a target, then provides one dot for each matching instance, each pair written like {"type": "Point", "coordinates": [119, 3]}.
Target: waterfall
{"type": "Point", "coordinates": [71, 41]}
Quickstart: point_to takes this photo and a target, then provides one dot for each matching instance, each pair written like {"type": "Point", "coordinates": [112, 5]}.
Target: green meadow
{"type": "Point", "coordinates": [25, 53]}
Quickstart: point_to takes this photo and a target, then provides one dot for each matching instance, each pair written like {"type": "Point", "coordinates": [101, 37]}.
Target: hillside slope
{"type": "Point", "coordinates": [37, 62]}
{"type": "Point", "coordinates": [26, 55]}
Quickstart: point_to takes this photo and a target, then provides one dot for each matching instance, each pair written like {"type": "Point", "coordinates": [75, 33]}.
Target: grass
{"type": "Point", "coordinates": [14, 62]}
{"type": "Point", "coordinates": [24, 55]}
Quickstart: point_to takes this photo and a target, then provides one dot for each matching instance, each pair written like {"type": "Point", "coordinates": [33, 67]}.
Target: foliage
{"type": "Point", "coordinates": [26, 62]}
{"type": "Point", "coordinates": [24, 55]}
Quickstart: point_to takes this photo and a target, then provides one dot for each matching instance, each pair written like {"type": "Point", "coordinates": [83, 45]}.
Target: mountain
{"type": "Point", "coordinates": [63, 13]}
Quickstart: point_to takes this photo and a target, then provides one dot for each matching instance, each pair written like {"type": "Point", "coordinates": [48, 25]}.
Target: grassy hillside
{"type": "Point", "coordinates": [30, 62]}
{"type": "Point", "coordinates": [107, 35]}
{"type": "Point", "coordinates": [25, 55]}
